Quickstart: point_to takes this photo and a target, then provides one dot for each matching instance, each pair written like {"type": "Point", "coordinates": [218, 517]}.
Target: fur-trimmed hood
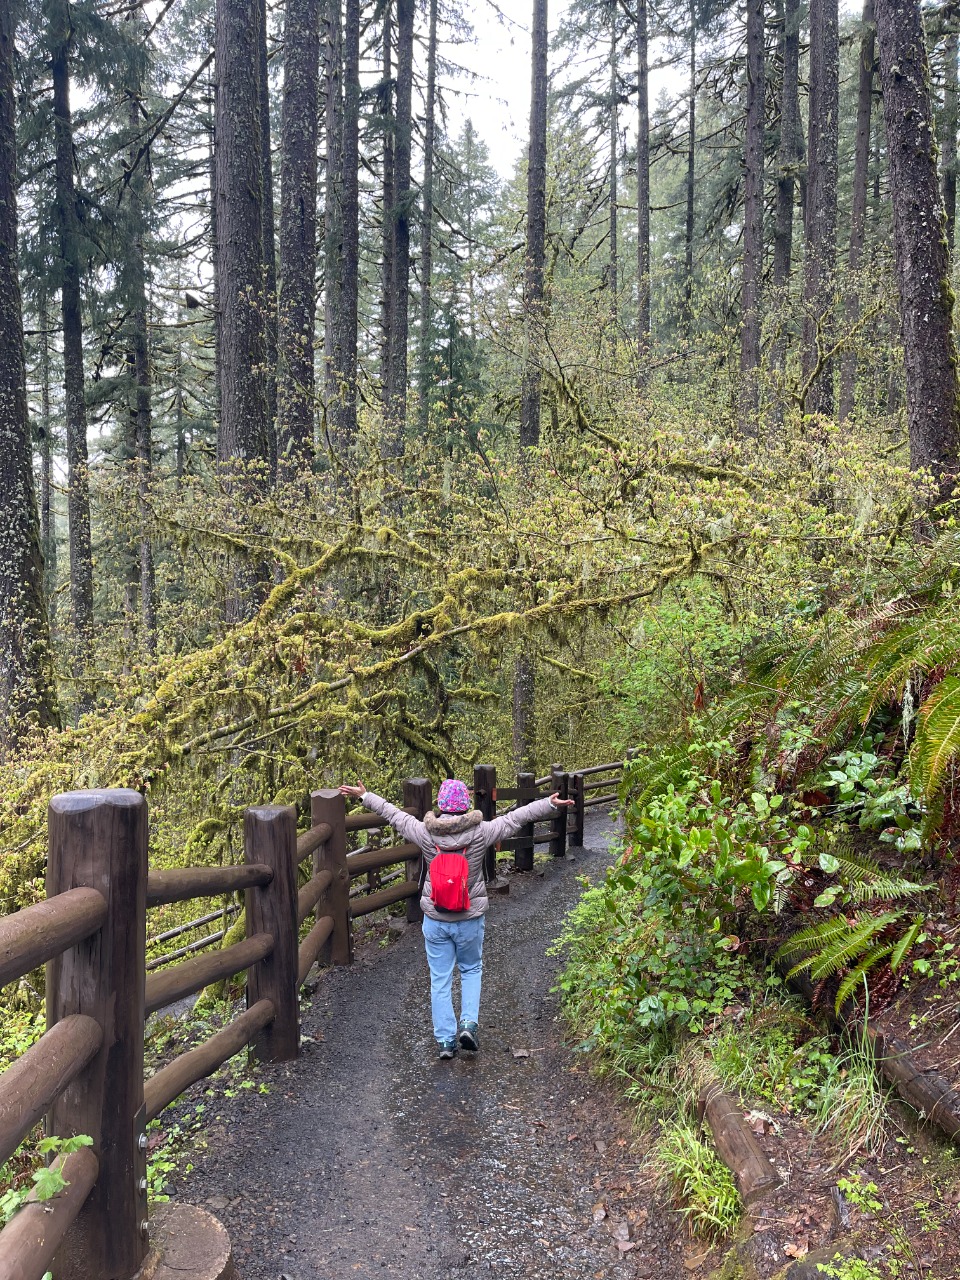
{"type": "Point", "coordinates": [451, 824]}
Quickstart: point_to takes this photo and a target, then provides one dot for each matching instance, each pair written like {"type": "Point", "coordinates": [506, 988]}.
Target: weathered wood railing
{"type": "Point", "coordinates": [86, 1072]}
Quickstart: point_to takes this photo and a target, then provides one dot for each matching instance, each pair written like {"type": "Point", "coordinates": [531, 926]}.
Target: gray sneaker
{"type": "Point", "coordinates": [448, 1048]}
{"type": "Point", "coordinates": [469, 1036]}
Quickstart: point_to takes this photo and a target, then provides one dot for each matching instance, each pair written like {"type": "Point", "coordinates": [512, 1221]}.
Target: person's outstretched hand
{"type": "Point", "coordinates": [555, 801]}
{"type": "Point", "coordinates": [355, 792]}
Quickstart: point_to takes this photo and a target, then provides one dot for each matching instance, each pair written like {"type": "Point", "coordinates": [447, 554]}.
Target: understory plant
{"type": "Point", "coordinates": [701, 1182]}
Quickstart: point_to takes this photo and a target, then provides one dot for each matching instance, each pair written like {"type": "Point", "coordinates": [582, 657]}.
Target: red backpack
{"type": "Point", "coordinates": [449, 872]}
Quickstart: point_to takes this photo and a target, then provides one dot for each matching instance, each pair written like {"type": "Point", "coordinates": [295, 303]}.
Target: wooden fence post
{"type": "Point", "coordinates": [558, 782]}
{"type": "Point", "coordinates": [417, 795]}
{"type": "Point", "coordinates": [523, 854]}
{"type": "Point", "coordinates": [578, 795]}
{"type": "Point", "coordinates": [485, 799]}
{"type": "Point", "coordinates": [270, 837]}
{"type": "Point", "coordinates": [98, 840]}
{"type": "Point", "coordinates": [329, 806]}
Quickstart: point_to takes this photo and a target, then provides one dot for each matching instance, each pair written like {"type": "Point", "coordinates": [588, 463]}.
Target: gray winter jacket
{"type": "Point", "coordinates": [457, 832]}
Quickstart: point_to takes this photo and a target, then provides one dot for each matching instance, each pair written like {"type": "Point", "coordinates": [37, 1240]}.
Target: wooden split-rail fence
{"type": "Point", "coordinates": [86, 1073]}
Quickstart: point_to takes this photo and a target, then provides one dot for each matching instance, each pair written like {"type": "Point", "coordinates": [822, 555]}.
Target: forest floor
{"type": "Point", "coordinates": [369, 1157]}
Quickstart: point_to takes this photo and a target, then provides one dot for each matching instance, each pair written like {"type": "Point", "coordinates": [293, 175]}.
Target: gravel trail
{"type": "Point", "coordinates": [370, 1157]}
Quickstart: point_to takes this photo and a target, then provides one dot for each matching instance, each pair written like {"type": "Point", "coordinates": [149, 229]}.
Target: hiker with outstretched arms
{"type": "Point", "coordinates": [454, 840]}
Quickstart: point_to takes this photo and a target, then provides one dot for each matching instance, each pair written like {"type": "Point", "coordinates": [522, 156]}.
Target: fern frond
{"type": "Point", "coordinates": [839, 951]}
{"type": "Point", "coordinates": [938, 736]}
{"type": "Point", "coordinates": [858, 973]}
{"type": "Point", "coordinates": [815, 935]}
{"type": "Point", "coordinates": [885, 887]}
{"type": "Point", "coordinates": [905, 943]}
{"type": "Point", "coordinates": [650, 777]}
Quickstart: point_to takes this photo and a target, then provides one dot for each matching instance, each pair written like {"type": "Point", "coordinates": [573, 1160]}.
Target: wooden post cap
{"type": "Point", "coordinates": [80, 801]}
{"type": "Point", "coordinates": [187, 1243]}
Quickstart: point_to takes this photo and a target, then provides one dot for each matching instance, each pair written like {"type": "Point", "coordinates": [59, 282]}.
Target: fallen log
{"type": "Point", "coordinates": [736, 1145]}
{"type": "Point", "coordinates": [926, 1091]}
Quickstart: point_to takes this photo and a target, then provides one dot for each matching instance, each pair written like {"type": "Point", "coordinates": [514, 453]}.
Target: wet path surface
{"type": "Point", "coordinates": [370, 1157]}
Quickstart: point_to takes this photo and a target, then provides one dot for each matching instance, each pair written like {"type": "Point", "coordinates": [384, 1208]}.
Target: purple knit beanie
{"type": "Point", "coordinates": [453, 796]}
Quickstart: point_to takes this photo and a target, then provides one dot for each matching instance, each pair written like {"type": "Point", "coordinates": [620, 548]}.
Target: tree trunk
{"type": "Point", "coordinates": [533, 286]}
{"type": "Point", "coordinates": [78, 481]}
{"type": "Point", "coordinates": [396, 406]}
{"type": "Point", "coordinates": [534, 306]}
{"type": "Point", "coordinates": [920, 245]}
{"type": "Point", "coordinates": [298, 233]}
{"type": "Point", "coordinates": [524, 701]}
{"type": "Point", "coordinates": [216, 318]}
{"type": "Point", "coordinates": [270, 335]}
{"type": "Point", "coordinates": [333, 210]}
{"type": "Point", "coordinates": [26, 679]}
{"type": "Point", "coordinates": [691, 166]}
{"type": "Point", "coordinates": [612, 266]}
{"type": "Point", "coordinates": [48, 519]}
{"type": "Point", "coordinates": [426, 224]}
{"type": "Point", "coordinates": [643, 178]}
{"type": "Point", "coordinates": [858, 207]}
{"type": "Point", "coordinates": [385, 111]}
{"type": "Point", "coordinates": [820, 253]}
{"type": "Point", "coordinates": [790, 149]}
{"type": "Point", "coordinates": [948, 133]}
{"type": "Point", "coordinates": [141, 408]}
{"type": "Point", "coordinates": [346, 407]}
{"type": "Point", "coordinates": [752, 221]}
{"type": "Point", "coordinates": [242, 431]}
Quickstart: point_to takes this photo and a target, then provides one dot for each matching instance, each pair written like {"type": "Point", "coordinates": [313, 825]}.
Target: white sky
{"type": "Point", "coordinates": [499, 102]}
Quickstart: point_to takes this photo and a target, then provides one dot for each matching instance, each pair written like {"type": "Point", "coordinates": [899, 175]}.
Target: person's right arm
{"type": "Point", "coordinates": [405, 824]}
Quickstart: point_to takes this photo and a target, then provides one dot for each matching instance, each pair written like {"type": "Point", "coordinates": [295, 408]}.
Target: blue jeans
{"type": "Point", "coordinates": [451, 943]}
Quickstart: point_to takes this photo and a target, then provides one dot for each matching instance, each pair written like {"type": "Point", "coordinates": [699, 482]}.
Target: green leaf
{"type": "Point", "coordinates": [829, 863]}
{"type": "Point", "coordinates": [760, 893]}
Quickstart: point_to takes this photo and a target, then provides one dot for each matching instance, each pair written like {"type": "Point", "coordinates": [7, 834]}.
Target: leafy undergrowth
{"type": "Point", "coordinates": [760, 849]}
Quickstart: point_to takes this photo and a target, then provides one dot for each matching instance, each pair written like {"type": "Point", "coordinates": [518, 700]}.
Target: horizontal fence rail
{"type": "Point", "coordinates": [301, 893]}
{"type": "Point", "coordinates": [37, 934]}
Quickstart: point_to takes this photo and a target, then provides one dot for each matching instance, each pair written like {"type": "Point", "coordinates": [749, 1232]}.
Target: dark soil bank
{"type": "Point", "coordinates": [370, 1157]}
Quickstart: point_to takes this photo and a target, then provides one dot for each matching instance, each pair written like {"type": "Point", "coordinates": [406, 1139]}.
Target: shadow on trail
{"type": "Point", "coordinates": [370, 1157]}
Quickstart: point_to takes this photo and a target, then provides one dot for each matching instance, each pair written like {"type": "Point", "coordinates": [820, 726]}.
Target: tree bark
{"type": "Point", "coordinates": [426, 224]}
{"type": "Point", "coordinates": [270, 334]}
{"type": "Point", "coordinates": [612, 265]}
{"type": "Point", "coordinates": [533, 287]}
{"type": "Point", "coordinates": [396, 406]}
{"type": "Point", "coordinates": [78, 482]}
{"type": "Point", "coordinates": [691, 168]}
{"type": "Point", "coordinates": [387, 122]}
{"type": "Point", "coordinates": [858, 207]}
{"type": "Point", "coordinates": [141, 406]}
{"type": "Point", "coordinates": [948, 133]}
{"type": "Point", "coordinates": [643, 178]}
{"type": "Point", "coordinates": [298, 233]}
{"type": "Point", "coordinates": [333, 210]}
{"type": "Point", "coordinates": [242, 434]}
{"type": "Point", "coordinates": [48, 519]}
{"type": "Point", "coordinates": [26, 679]}
{"type": "Point", "coordinates": [752, 221]}
{"type": "Point", "coordinates": [346, 407]}
{"type": "Point", "coordinates": [820, 252]}
{"type": "Point", "coordinates": [790, 149]}
{"type": "Point", "coordinates": [920, 245]}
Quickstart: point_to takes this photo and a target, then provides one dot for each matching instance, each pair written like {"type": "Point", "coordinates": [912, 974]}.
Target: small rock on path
{"type": "Point", "coordinates": [370, 1157]}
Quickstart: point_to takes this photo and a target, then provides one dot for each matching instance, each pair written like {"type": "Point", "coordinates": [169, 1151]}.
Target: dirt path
{"type": "Point", "coordinates": [369, 1157]}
